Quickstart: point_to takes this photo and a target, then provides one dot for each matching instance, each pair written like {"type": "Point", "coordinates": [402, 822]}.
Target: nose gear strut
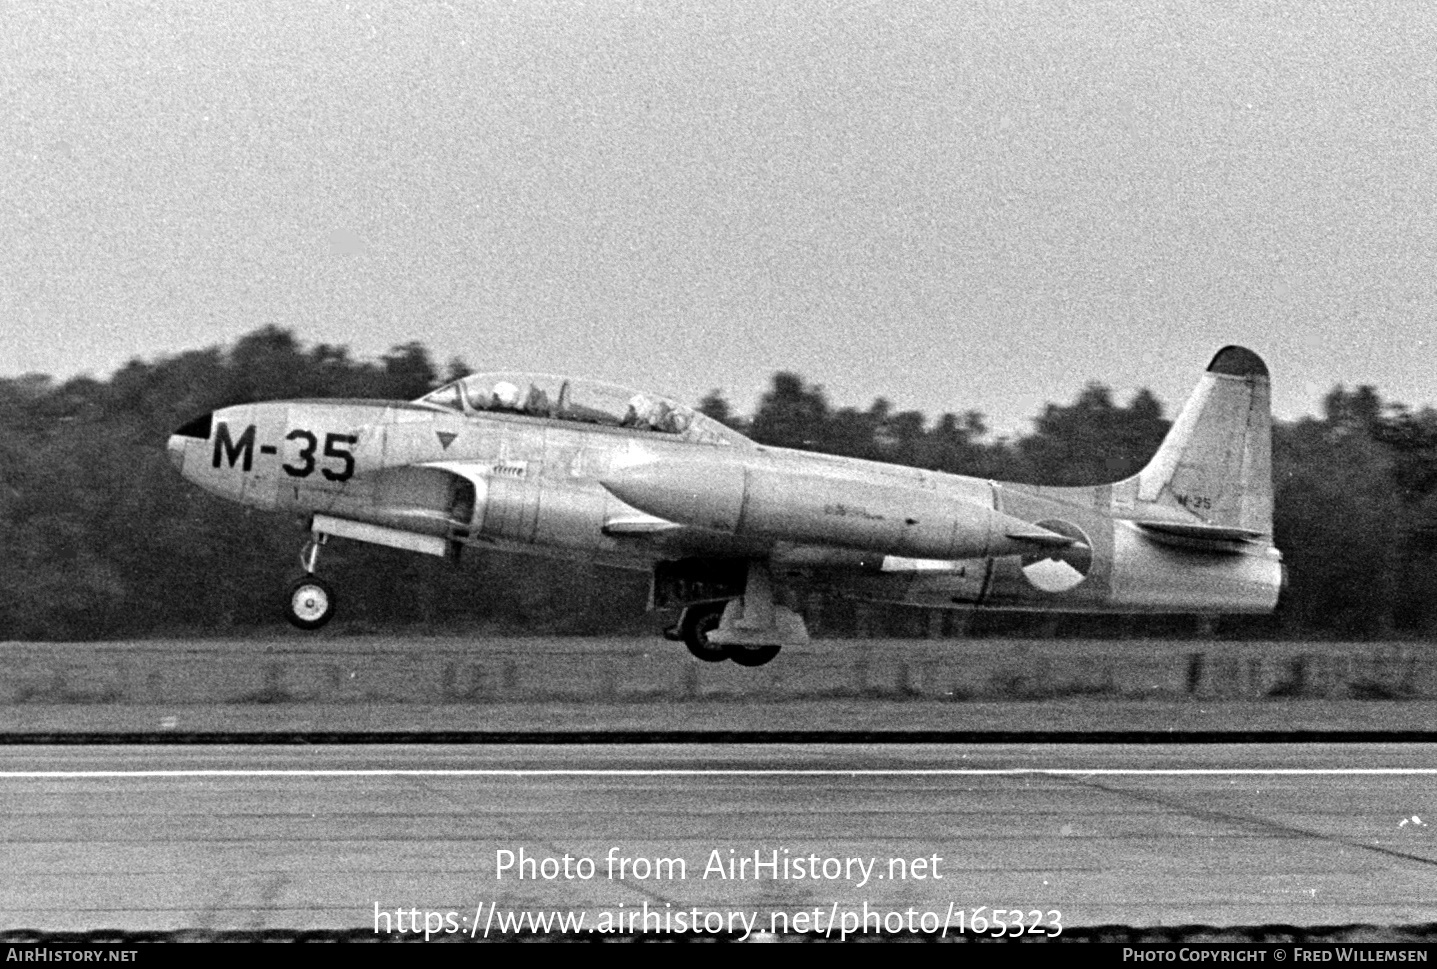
{"type": "Point", "coordinates": [311, 600]}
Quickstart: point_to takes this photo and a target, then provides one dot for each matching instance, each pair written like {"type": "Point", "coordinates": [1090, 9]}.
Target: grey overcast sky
{"type": "Point", "coordinates": [956, 205]}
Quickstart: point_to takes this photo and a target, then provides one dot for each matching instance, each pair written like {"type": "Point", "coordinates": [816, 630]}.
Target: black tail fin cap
{"type": "Point", "coordinates": [1236, 361]}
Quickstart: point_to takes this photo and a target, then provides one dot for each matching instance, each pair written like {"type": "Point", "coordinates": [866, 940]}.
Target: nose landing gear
{"type": "Point", "coordinates": [311, 600]}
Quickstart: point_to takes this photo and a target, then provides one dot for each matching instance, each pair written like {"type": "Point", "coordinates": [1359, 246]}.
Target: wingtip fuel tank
{"type": "Point", "coordinates": [816, 506]}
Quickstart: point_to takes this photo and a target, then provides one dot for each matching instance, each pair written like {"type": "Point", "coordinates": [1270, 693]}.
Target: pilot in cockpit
{"type": "Point", "coordinates": [656, 414]}
{"type": "Point", "coordinates": [537, 402]}
{"type": "Point", "coordinates": [505, 397]}
{"type": "Point", "coordinates": [644, 412]}
{"type": "Point", "coordinates": [679, 420]}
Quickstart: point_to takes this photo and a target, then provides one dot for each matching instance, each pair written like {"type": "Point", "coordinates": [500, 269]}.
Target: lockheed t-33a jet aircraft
{"type": "Point", "coordinates": [730, 530]}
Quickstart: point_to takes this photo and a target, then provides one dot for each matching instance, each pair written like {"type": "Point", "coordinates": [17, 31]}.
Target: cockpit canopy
{"type": "Point", "coordinates": [580, 402]}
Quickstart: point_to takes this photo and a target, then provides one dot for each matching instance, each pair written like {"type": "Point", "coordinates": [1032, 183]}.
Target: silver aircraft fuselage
{"type": "Point", "coordinates": [590, 471]}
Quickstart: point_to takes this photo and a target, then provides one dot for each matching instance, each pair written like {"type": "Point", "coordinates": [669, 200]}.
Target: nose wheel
{"type": "Point", "coordinates": [311, 600]}
{"type": "Point", "coordinates": [311, 603]}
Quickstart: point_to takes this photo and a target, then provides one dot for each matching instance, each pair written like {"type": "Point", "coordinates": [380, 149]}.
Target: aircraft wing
{"type": "Point", "coordinates": [640, 525]}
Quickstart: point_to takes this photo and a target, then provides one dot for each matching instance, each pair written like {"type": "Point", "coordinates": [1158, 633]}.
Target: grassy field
{"type": "Point", "coordinates": [518, 683]}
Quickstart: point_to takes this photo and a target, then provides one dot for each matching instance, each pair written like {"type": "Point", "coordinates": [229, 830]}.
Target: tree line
{"type": "Point", "coordinates": [100, 538]}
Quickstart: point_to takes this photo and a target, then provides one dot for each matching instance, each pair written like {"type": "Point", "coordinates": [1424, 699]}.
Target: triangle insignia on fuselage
{"type": "Point", "coordinates": [446, 438]}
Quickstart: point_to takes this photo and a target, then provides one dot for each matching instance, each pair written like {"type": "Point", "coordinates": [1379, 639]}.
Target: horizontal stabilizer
{"type": "Point", "coordinates": [1200, 531]}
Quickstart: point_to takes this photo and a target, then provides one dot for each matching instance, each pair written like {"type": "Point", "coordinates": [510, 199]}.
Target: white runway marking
{"type": "Point", "coordinates": [748, 772]}
{"type": "Point", "coordinates": [311, 837]}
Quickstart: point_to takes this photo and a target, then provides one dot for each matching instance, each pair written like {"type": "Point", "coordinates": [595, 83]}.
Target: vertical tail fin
{"type": "Point", "coordinates": [1215, 466]}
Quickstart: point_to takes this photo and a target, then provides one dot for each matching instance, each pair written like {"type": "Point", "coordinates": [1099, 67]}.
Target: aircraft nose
{"type": "Point", "coordinates": [196, 430]}
{"type": "Point", "coordinates": [176, 449]}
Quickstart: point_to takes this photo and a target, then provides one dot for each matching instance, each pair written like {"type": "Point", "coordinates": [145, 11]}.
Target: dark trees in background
{"type": "Point", "coordinates": [100, 537]}
{"type": "Point", "coordinates": [1410, 440]}
{"type": "Point", "coordinates": [1092, 440]}
{"type": "Point", "coordinates": [791, 414]}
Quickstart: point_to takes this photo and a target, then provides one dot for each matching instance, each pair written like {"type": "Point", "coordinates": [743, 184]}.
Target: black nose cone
{"type": "Point", "coordinates": [199, 428]}
{"type": "Point", "coordinates": [180, 441]}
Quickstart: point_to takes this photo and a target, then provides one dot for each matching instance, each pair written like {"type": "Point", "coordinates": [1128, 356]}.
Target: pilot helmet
{"type": "Point", "coordinates": [506, 394]}
{"type": "Point", "coordinates": [679, 420]}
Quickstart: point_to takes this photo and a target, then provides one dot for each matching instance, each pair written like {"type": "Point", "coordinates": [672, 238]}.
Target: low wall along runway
{"type": "Point", "coordinates": [620, 683]}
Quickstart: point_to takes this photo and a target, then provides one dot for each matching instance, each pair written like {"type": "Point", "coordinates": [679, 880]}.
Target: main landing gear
{"type": "Point", "coordinates": [311, 600]}
{"type": "Point", "coordinates": [749, 630]}
{"type": "Point", "coordinates": [697, 623]}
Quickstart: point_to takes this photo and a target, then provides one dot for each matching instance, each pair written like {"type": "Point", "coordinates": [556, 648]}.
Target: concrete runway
{"type": "Point", "coordinates": [146, 838]}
